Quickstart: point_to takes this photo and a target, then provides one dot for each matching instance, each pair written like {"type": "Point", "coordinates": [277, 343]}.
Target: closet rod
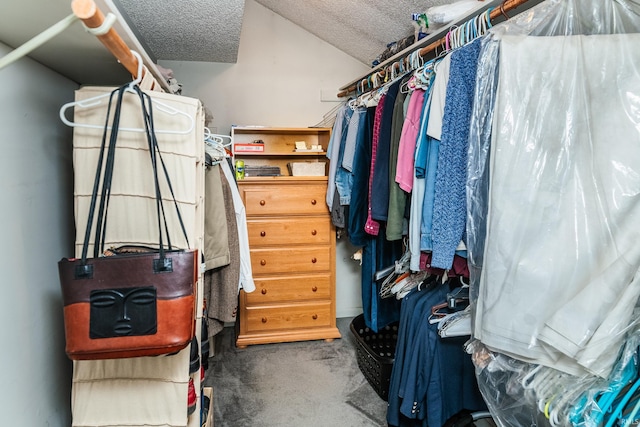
{"type": "Point", "coordinates": [37, 41]}
{"type": "Point", "coordinates": [506, 6]}
{"type": "Point", "coordinates": [93, 17]}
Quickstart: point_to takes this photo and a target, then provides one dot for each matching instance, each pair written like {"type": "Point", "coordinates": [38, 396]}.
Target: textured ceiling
{"type": "Point", "coordinates": [360, 28]}
{"type": "Point", "coordinates": [202, 30]}
{"type": "Point", "coordinates": [209, 30]}
{"type": "Point", "coordinates": [187, 30]}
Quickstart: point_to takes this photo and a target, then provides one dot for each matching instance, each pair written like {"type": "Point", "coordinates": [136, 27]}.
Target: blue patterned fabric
{"type": "Point", "coordinates": [450, 205]}
{"type": "Point", "coordinates": [336, 142]}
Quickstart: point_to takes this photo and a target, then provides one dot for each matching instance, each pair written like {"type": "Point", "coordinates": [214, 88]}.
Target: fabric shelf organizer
{"type": "Point", "coordinates": [108, 392]}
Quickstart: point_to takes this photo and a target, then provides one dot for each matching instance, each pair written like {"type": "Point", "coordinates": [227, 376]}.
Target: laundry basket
{"type": "Point", "coordinates": [375, 353]}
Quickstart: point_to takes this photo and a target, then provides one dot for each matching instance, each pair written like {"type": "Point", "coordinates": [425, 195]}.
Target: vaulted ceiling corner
{"type": "Point", "coordinates": [360, 28]}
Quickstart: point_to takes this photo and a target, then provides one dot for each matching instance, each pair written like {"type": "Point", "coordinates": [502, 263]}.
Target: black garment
{"type": "Point", "coordinates": [360, 191]}
{"type": "Point", "coordinates": [380, 197]}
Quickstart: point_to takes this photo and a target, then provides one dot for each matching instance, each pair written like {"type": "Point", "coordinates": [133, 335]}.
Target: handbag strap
{"type": "Point", "coordinates": [152, 134]}
{"type": "Point", "coordinates": [96, 183]}
{"type": "Point", "coordinates": [107, 176]}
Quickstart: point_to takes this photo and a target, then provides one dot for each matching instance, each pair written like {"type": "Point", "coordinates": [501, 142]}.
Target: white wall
{"type": "Point", "coordinates": [36, 219]}
{"type": "Point", "coordinates": [277, 81]}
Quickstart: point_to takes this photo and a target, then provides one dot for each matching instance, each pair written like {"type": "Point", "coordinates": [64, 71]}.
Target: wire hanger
{"type": "Point", "coordinates": [216, 137]}
{"type": "Point", "coordinates": [215, 146]}
{"type": "Point", "coordinates": [98, 100]}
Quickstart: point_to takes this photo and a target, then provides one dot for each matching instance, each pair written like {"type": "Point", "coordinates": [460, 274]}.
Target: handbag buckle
{"type": "Point", "coordinates": [84, 271]}
{"type": "Point", "coordinates": [162, 265]}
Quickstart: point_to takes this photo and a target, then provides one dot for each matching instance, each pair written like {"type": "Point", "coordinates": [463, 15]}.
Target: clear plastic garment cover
{"type": "Point", "coordinates": [553, 226]}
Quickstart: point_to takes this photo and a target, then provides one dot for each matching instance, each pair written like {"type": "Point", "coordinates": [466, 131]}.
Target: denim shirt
{"type": "Point", "coordinates": [344, 175]}
{"type": "Point", "coordinates": [333, 151]}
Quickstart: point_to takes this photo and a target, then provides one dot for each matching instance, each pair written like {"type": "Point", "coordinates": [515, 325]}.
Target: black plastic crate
{"type": "Point", "coordinates": [375, 353]}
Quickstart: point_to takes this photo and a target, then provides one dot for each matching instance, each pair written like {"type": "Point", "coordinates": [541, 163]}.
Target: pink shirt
{"type": "Point", "coordinates": [408, 141]}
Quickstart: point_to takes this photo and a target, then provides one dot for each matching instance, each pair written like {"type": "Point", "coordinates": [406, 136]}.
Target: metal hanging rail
{"type": "Point", "coordinates": [384, 71]}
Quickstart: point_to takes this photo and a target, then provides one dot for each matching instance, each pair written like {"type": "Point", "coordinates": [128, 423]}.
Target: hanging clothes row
{"type": "Point", "coordinates": [398, 161]}
{"type": "Point", "coordinates": [226, 240]}
{"type": "Point", "coordinates": [398, 185]}
{"type": "Point", "coordinates": [432, 378]}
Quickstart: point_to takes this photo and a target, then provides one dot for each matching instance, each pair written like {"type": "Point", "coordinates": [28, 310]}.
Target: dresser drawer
{"type": "Point", "coordinates": [285, 199]}
{"type": "Point", "coordinates": [259, 319]}
{"type": "Point", "coordinates": [291, 231]}
{"type": "Point", "coordinates": [298, 288]}
{"type": "Point", "coordinates": [291, 260]}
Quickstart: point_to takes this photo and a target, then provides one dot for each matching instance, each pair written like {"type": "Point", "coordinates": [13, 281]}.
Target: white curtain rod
{"type": "Point", "coordinates": [37, 41]}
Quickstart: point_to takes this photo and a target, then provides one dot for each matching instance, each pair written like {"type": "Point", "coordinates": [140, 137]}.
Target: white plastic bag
{"type": "Point", "coordinates": [553, 196]}
{"type": "Point", "coordinates": [440, 16]}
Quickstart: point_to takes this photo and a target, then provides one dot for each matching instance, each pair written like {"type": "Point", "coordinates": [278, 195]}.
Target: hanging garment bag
{"type": "Point", "coordinates": [128, 301]}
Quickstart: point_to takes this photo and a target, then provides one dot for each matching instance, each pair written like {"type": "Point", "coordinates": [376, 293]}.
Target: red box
{"type": "Point", "coordinates": [249, 148]}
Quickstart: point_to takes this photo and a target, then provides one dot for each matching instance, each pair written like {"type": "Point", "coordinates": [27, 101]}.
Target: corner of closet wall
{"type": "Point", "coordinates": [37, 191]}
{"type": "Point", "coordinates": [262, 88]}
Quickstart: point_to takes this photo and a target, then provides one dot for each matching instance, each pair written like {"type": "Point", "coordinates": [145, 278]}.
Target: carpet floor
{"type": "Point", "coordinates": [301, 384]}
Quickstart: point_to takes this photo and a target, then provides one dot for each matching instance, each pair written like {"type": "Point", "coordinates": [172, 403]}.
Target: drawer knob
{"type": "Point", "coordinates": [313, 201]}
{"type": "Point", "coordinates": [264, 320]}
{"type": "Point", "coordinates": [314, 260]}
{"type": "Point", "coordinates": [314, 289]}
{"type": "Point", "coordinates": [314, 317]}
{"type": "Point", "coordinates": [314, 232]}
{"type": "Point", "coordinates": [263, 202]}
{"type": "Point", "coordinates": [263, 233]}
{"type": "Point", "coordinates": [264, 291]}
{"type": "Point", "coordinates": [263, 262]}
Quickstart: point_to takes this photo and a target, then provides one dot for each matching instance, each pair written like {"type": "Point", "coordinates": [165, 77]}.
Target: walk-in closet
{"type": "Point", "coordinates": [274, 213]}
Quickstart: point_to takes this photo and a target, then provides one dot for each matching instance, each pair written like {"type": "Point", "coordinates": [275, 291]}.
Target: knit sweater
{"type": "Point", "coordinates": [450, 205]}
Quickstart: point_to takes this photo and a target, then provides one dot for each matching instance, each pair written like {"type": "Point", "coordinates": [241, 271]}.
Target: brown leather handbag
{"type": "Point", "coordinates": [131, 303]}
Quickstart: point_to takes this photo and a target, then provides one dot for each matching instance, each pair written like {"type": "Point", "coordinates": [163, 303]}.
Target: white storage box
{"type": "Point", "coordinates": [307, 168]}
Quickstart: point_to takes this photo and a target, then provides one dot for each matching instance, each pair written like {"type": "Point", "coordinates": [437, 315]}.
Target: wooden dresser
{"type": "Point", "coordinates": [292, 244]}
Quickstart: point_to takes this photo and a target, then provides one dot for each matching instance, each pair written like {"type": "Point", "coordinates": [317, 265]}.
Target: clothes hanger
{"type": "Point", "coordinates": [417, 280]}
{"type": "Point", "coordinates": [409, 85]}
{"type": "Point", "coordinates": [424, 79]}
{"type": "Point", "coordinates": [389, 289]}
{"type": "Point", "coordinates": [615, 415]}
{"type": "Point", "coordinates": [559, 408]}
{"type": "Point", "coordinates": [395, 273]}
{"type": "Point", "coordinates": [547, 389]}
{"type": "Point", "coordinates": [456, 300]}
{"type": "Point", "coordinates": [217, 137]}
{"type": "Point", "coordinates": [416, 62]}
{"type": "Point", "coordinates": [216, 146]}
{"type": "Point", "coordinates": [631, 418]}
{"type": "Point", "coordinates": [456, 324]}
{"type": "Point", "coordinates": [98, 100]}
{"type": "Point", "coordinates": [439, 59]}
{"type": "Point", "coordinates": [485, 22]}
